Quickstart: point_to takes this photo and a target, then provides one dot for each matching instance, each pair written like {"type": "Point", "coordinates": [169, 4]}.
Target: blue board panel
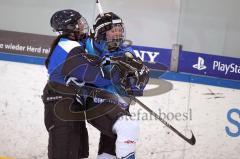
{"type": "Point", "coordinates": [209, 65]}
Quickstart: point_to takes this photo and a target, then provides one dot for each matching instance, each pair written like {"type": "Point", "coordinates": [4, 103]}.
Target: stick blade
{"type": "Point", "coordinates": [192, 140]}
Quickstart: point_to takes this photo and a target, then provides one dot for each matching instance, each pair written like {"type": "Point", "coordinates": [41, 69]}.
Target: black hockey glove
{"type": "Point", "coordinates": [130, 74]}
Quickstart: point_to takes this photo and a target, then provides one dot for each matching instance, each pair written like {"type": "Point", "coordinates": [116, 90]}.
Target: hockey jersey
{"type": "Point", "coordinates": [69, 59]}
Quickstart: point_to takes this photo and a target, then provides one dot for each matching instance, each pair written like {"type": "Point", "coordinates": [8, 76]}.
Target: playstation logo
{"type": "Point", "coordinates": [200, 65]}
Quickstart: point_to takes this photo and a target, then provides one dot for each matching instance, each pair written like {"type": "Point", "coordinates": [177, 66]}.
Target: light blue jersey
{"type": "Point", "coordinates": [99, 49]}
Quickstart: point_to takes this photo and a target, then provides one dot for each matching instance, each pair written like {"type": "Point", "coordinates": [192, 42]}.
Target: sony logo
{"type": "Point", "coordinates": [142, 54]}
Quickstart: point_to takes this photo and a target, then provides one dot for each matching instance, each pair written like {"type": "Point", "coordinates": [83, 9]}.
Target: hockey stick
{"type": "Point", "coordinates": [99, 7]}
{"type": "Point", "coordinates": [191, 140]}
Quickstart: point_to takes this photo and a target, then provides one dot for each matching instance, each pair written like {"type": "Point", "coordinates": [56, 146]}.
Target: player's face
{"type": "Point", "coordinates": [115, 37]}
{"type": "Point", "coordinates": [81, 27]}
{"type": "Point", "coordinates": [117, 32]}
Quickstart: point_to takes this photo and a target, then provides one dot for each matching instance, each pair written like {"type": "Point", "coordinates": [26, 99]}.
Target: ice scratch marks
{"type": "Point", "coordinates": [213, 95]}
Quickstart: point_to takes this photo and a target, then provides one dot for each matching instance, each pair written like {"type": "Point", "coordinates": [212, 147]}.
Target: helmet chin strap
{"type": "Point", "coordinates": [112, 46]}
{"type": "Point", "coordinates": [76, 37]}
{"type": "Point", "coordinates": [72, 37]}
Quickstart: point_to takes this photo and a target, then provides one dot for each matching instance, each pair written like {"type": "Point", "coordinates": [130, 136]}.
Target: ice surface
{"type": "Point", "coordinates": [23, 134]}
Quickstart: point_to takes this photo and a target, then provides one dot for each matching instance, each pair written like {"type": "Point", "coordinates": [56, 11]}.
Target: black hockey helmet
{"type": "Point", "coordinates": [105, 23]}
{"type": "Point", "coordinates": [66, 21]}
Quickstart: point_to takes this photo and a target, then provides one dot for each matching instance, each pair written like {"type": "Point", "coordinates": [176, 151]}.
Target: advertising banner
{"type": "Point", "coordinates": [209, 65]}
{"type": "Point", "coordinates": [25, 43]}
{"type": "Point", "coordinates": [155, 58]}
{"type": "Point", "coordinates": [25, 47]}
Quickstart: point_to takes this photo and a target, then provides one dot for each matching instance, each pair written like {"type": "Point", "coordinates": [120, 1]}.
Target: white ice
{"type": "Point", "coordinates": [23, 134]}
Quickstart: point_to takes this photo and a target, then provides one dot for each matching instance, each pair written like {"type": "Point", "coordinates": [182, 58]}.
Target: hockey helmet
{"type": "Point", "coordinates": [69, 21]}
{"type": "Point", "coordinates": [109, 28]}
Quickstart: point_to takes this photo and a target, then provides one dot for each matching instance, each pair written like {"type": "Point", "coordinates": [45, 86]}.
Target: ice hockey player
{"type": "Point", "coordinates": [67, 139]}
{"type": "Point", "coordinates": [128, 77]}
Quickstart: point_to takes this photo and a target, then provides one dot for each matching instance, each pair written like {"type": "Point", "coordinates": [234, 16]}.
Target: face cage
{"type": "Point", "coordinates": [115, 37]}
{"type": "Point", "coordinates": [82, 25]}
{"type": "Point", "coordinates": [79, 30]}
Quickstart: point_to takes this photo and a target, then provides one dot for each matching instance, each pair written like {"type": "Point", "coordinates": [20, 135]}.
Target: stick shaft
{"type": "Point", "coordinates": [191, 141]}
{"type": "Point", "coordinates": [99, 7]}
